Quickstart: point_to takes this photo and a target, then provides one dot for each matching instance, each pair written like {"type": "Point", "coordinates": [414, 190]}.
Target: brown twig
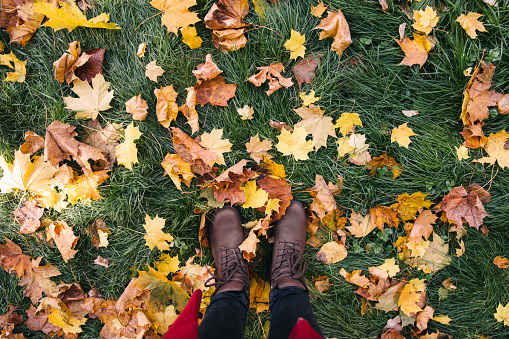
{"type": "Point", "coordinates": [146, 20]}
{"type": "Point", "coordinates": [270, 29]}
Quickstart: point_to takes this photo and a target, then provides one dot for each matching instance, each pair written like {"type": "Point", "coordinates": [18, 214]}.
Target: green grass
{"type": "Point", "coordinates": [378, 91]}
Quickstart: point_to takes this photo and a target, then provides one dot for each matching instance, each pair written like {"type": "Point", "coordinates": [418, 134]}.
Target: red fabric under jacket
{"type": "Point", "coordinates": [186, 325]}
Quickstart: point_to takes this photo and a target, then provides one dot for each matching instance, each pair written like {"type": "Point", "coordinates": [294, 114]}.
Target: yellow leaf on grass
{"type": "Point", "coordinates": [85, 187]}
{"type": "Point", "coordinates": [69, 324]}
{"type": "Point", "coordinates": [258, 149]}
{"type": "Point", "coordinates": [308, 99]}
{"type": "Point", "coordinates": [416, 50]}
{"type": "Point", "coordinates": [166, 106]}
{"type": "Point", "coordinates": [497, 150]}
{"type": "Point", "coordinates": [273, 168]}
{"type": "Point", "coordinates": [408, 204]}
{"type": "Point", "coordinates": [295, 143]}
{"type": "Point", "coordinates": [92, 99]}
{"type": "Point", "coordinates": [425, 20]}
{"type": "Point", "coordinates": [470, 23]}
{"type": "Point", "coordinates": [502, 314]}
{"type": "Point", "coordinates": [443, 319]}
{"type": "Point", "coordinates": [255, 198]}
{"type": "Point", "coordinates": [178, 169]}
{"type": "Point", "coordinates": [69, 16]}
{"type": "Point", "coordinates": [141, 50]}
{"type": "Point", "coordinates": [410, 296]}
{"type": "Point", "coordinates": [155, 237]}
{"type": "Point", "coordinates": [212, 141]}
{"type": "Point", "coordinates": [152, 71]}
{"type": "Point", "coordinates": [390, 267]}
{"type": "Point", "coordinates": [246, 112]}
{"type": "Point", "coordinates": [318, 10]}
{"type": "Point", "coordinates": [190, 37]}
{"type": "Point", "coordinates": [331, 252]}
{"type": "Point", "coordinates": [462, 153]}
{"type": "Point", "coordinates": [361, 226]}
{"type": "Point", "coordinates": [176, 13]}
{"type": "Point", "coordinates": [126, 152]}
{"type": "Point", "coordinates": [315, 122]}
{"type": "Point", "coordinates": [167, 264]}
{"type": "Point", "coordinates": [402, 135]}
{"type": "Point", "coordinates": [295, 45]}
{"type": "Point", "coordinates": [501, 262]}
{"type": "Point", "coordinates": [335, 26]}
{"type": "Point", "coordinates": [19, 67]}
{"type": "Point", "coordinates": [346, 123]}
{"type": "Point", "coordinates": [355, 277]}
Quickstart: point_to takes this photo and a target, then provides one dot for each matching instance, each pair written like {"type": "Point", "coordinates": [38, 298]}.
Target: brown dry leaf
{"type": "Point", "coordinates": [176, 13]}
{"type": "Point", "coordinates": [229, 182]}
{"type": "Point", "coordinates": [384, 5]}
{"type": "Point", "coordinates": [315, 123]}
{"type": "Point", "coordinates": [385, 161]}
{"type": "Point", "coordinates": [501, 262]}
{"type": "Point", "coordinates": [423, 226]}
{"type": "Point", "coordinates": [278, 188]}
{"type": "Point", "coordinates": [304, 70]}
{"type": "Point", "coordinates": [381, 215]}
{"type": "Point", "coordinates": [137, 107]}
{"type": "Point", "coordinates": [166, 107]}
{"type": "Point", "coordinates": [178, 169]}
{"type": "Point", "coordinates": [280, 125]}
{"type": "Point", "coordinates": [458, 205]}
{"type": "Point", "coordinates": [335, 26]}
{"type": "Point", "coordinates": [225, 18]}
{"type": "Point", "coordinates": [27, 23]}
{"type": "Point", "coordinates": [498, 149]}
{"type": "Point", "coordinates": [66, 65]}
{"type": "Point", "coordinates": [13, 260]}
{"type": "Point", "coordinates": [64, 238]}
{"type": "Point", "coordinates": [191, 151]}
{"type": "Point", "coordinates": [154, 235]}
{"type": "Point", "coordinates": [39, 321]}
{"type": "Point", "coordinates": [361, 225]}
{"type": "Point", "coordinates": [421, 321]}
{"type": "Point", "coordinates": [33, 143]}
{"type": "Point", "coordinates": [92, 66]}
{"type": "Point", "coordinates": [60, 145]}
{"type": "Point", "coordinates": [229, 40]}
{"type": "Point", "coordinates": [99, 233]}
{"type": "Point", "coordinates": [474, 136]}
{"type": "Point", "coordinates": [391, 333]}
{"type": "Point", "coordinates": [416, 50]}
{"type": "Point", "coordinates": [101, 261]}
{"type": "Point", "coordinates": [105, 139]}
{"type": "Point", "coordinates": [28, 217]}
{"type": "Point", "coordinates": [37, 280]}
{"type": "Point", "coordinates": [258, 149]}
{"type": "Point", "coordinates": [388, 300]}
{"type": "Point", "coordinates": [207, 70]}
{"type": "Point", "coordinates": [214, 91]}
{"type": "Point", "coordinates": [323, 199]}
{"type": "Point", "coordinates": [271, 73]}
{"type": "Point", "coordinates": [248, 246]}
{"type": "Point", "coordinates": [503, 104]}
{"type": "Point", "coordinates": [189, 109]}
{"type": "Point", "coordinates": [322, 283]}
{"type": "Point", "coordinates": [355, 277]}
{"type": "Point", "coordinates": [331, 253]}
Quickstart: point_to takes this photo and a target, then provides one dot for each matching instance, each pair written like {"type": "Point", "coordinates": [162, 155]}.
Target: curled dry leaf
{"type": "Point", "coordinates": [323, 199]}
{"type": "Point", "coordinates": [99, 233]}
{"type": "Point", "coordinates": [101, 261]}
{"type": "Point", "coordinates": [13, 260]}
{"type": "Point", "coordinates": [225, 18]}
{"type": "Point", "coordinates": [501, 262]}
{"type": "Point", "coordinates": [189, 109]}
{"type": "Point", "coordinates": [166, 106]}
{"type": "Point", "coordinates": [335, 26]}
{"type": "Point", "coordinates": [280, 125]}
{"type": "Point", "coordinates": [322, 283]}
{"type": "Point", "coordinates": [141, 50]}
{"type": "Point", "coordinates": [64, 238]}
{"type": "Point", "coordinates": [28, 217]}
{"type": "Point", "coordinates": [137, 107]}
{"type": "Point", "coordinates": [25, 23]}
{"type": "Point", "coordinates": [248, 246]}
{"type": "Point", "coordinates": [304, 70]}
{"type": "Point", "coordinates": [207, 70]}
{"type": "Point", "coordinates": [178, 169]}
{"type": "Point", "coordinates": [271, 73]}
{"type": "Point", "coordinates": [105, 139]}
{"type": "Point", "coordinates": [33, 143]}
{"type": "Point", "coordinates": [385, 161]}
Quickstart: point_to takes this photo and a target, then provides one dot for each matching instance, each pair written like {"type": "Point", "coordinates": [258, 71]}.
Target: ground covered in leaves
{"type": "Point", "coordinates": [118, 139]}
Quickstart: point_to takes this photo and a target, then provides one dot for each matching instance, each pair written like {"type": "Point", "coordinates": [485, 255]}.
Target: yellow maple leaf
{"type": "Point", "coordinates": [178, 169]}
{"type": "Point", "coordinates": [416, 50]}
{"type": "Point", "coordinates": [22, 174]}
{"type": "Point", "coordinates": [462, 152]}
{"type": "Point", "coordinates": [85, 187]}
{"type": "Point", "coordinates": [335, 26]}
{"type": "Point", "coordinates": [295, 143]}
{"type": "Point", "coordinates": [126, 152]}
{"type": "Point", "coordinates": [410, 296]}
{"type": "Point", "coordinates": [402, 135]}
{"type": "Point", "coordinates": [361, 225]}
{"type": "Point", "coordinates": [425, 20]}
{"type": "Point", "coordinates": [443, 319]}
{"type": "Point", "coordinates": [246, 112]}
{"type": "Point", "coordinates": [162, 291]}
{"type": "Point", "coordinates": [295, 45]}
{"type": "Point", "coordinates": [272, 205]}
{"type": "Point", "coordinates": [154, 236]}
{"type": "Point", "coordinates": [318, 10]}
{"type": "Point", "coordinates": [255, 198]}
{"type": "Point", "coordinates": [167, 264]}
{"type": "Point", "coordinates": [92, 99]}
{"type": "Point", "coordinates": [496, 149]}
{"type": "Point", "coordinates": [212, 141]}
{"type": "Point", "coordinates": [258, 149]}
{"type": "Point", "coordinates": [273, 168]}
{"type": "Point", "coordinates": [137, 107]}
{"type": "Point", "coordinates": [190, 37]}
{"type": "Point", "coordinates": [152, 71]}
{"type": "Point", "coordinates": [331, 252]}
{"type": "Point", "coordinates": [408, 204]}
{"type": "Point", "coordinates": [344, 146]}
{"type": "Point", "coordinates": [18, 66]}
{"type": "Point", "coordinates": [68, 324]}
{"type": "Point", "coordinates": [502, 314]}
{"type": "Point", "coordinates": [176, 13]}
{"type": "Point", "coordinates": [69, 16]}
{"type": "Point", "coordinates": [308, 99]}
{"type": "Point", "coordinates": [347, 121]}
{"type": "Point", "coordinates": [390, 267]}
{"type": "Point", "coordinates": [166, 106]}
{"type": "Point", "coordinates": [315, 122]}
{"type": "Point", "coordinates": [248, 246]}
{"type": "Point", "coordinates": [470, 23]}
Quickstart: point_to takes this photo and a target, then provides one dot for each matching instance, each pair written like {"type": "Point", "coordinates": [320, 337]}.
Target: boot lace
{"type": "Point", "coordinates": [233, 268]}
{"type": "Point", "coordinates": [289, 262]}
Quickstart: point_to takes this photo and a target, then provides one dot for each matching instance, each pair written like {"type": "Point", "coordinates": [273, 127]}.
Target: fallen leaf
{"type": "Point", "coordinates": [436, 256]}
{"type": "Point", "coordinates": [101, 261]}
{"type": "Point", "coordinates": [13, 260]}
{"type": "Point", "coordinates": [335, 26]}
{"type": "Point", "coordinates": [295, 143]}
{"type": "Point", "coordinates": [271, 167]}
{"type": "Point", "coordinates": [390, 267]}
{"type": "Point", "coordinates": [410, 296]}
{"type": "Point", "coordinates": [214, 91]}
{"type": "Point", "coordinates": [190, 37]}
{"type": "Point", "coordinates": [141, 50]}
{"type": "Point", "coordinates": [92, 99]}
{"type": "Point", "coordinates": [176, 13]}
{"type": "Point", "coordinates": [137, 107]}
{"type": "Point", "coordinates": [32, 144]}
{"type": "Point", "coordinates": [355, 277]}
{"type": "Point", "coordinates": [423, 226]}
{"type": "Point", "coordinates": [19, 67]}
{"type": "Point", "coordinates": [304, 70]}
{"type": "Point", "coordinates": [152, 71]}
{"type": "Point", "coordinates": [462, 153]}
{"type": "Point", "coordinates": [248, 246]}
{"type": "Point", "coordinates": [85, 187]}
{"type": "Point", "coordinates": [316, 124]}
{"type": "Point", "coordinates": [458, 205]}
{"type": "Point", "coordinates": [190, 150]}
{"type": "Point", "coordinates": [322, 283]}
{"type": "Point", "coordinates": [126, 152]}
{"type": "Point", "coordinates": [361, 225]}
{"type": "Point", "coordinates": [208, 70]}
{"type": "Point", "coordinates": [178, 169]}
{"type": "Point", "coordinates": [99, 233]}
{"type": "Point", "coordinates": [69, 324]}
{"type": "Point", "coordinates": [28, 22]}
{"type": "Point", "coordinates": [154, 235]}
{"type": "Point", "coordinates": [105, 139]}
{"type": "Point", "coordinates": [385, 161]}
{"type": "Point", "coordinates": [255, 197]}
{"type": "Point", "coordinates": [308, 99]}
{"type": "Point", "coordinates": [92, 65]}
{"type": "Point", "coordinates": [503, 104]}
{"type": "Point", "coordinates": [212, 141]}
{"type": "Point", "coordinates": [408, 204]}
{"type": "Point", "coordinates": [421, 321]}
{"type": "Point", "coordinates": [402, 135]}
{"type": "Point", "coordinates": [166, 107]}
{"type": "Point", "coordinates": [39, 321]}
{"type": "Point", "coordinates": [64, 238]}
{"type": "Point", "coordinates": [28, 217]}
{"type": "Point", "coordinates": [37, 281]}
{"type": "Point", "coordinates": [442, 319]}
{"type": "Point", "coordinates": [331, 253]}
{"type": "Point", "coordinates": [409, 113]}
{"type": "Point", "coordinates": [346, 123]}
{"type": "Point", "coordinates": [66, 65]}
{"type": "Point", "coordinates": [502, 314]}
{"type": "Point", "coordinates": [425, 20]}
{"type": "Point", "coordinates": [296, 45]}
{"type": "Point", "coordinates": [323, 199]}
{"type": "Point", "coordinates": [189, 109]}
{"type": "Point", "coordinates": [167, 264]}
{"type": "Point", "coordinates": [318, 10]}
{"type": "Point", "coordinates": [280, 125]}
{"type": "Point", "coordinates": [246, 112]}
{"type": "Point", "coordinates": [69, 16]}
{"type": "Point", "coordinates": [259, 292]}
{"type": "Point", "coordinates": [271, 73]}
{"type": "Point", "coordinates": [416, 50]}
{"type": "Point", "coordinates": [258, 149]}
{"type": "Point", "coordinates": [278, 189]}
{"type": "Point", "coordinates": [384, 5]}
{"type": "Point", "coordinates": [496, 149]}
{"type": "Point", "coordinates": [381, 215]}
{"type": "Point", "coordinates": [501, 262]}
{"type": "Point", "coordinates": [470, 23]}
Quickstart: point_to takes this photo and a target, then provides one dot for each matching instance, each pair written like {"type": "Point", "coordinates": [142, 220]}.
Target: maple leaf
{"type": "Point", "coordinates": [308, 99]}
{"type": "Point", "coordinates": [318, 10]}
{"type": "Point", "coordinates": [19, 67]}
{"type": "Point", "coordinates": [66, 65]}
{"type": "Point", "coordinates": [385, 161]}
{"type": "Point", "coordinates": [361, 225]}
{"type": "Point", "coordinates": [470, 23]}
{"type": "Point", "coordinates": [161, 290]}
{"type": "Point", "coordinates": [323, 199]}
{"type": "Point", "coordinates": [64, 238]}
{"type": "Point", "coordinates": [259, 292]}
{"type": "Point", "coordinates": [69, 16]}
{"type": "Point", "coordinates": [190, 150]}
{"type": "Point", "coordinates": [248, 246]}
{"type": "Point", "coordinates": [105, 139]}
{"type": "Point", "coordinates": [304, 70]}
{"type": "Point", "coordinates": [501, 262]}
{"type": "Point", "coordinates": [212, 141]}
{"type": "Point", "coordinates": [278, 189]}
{"type": "Point", "coordinates": [228, 40]}
{"type": "Point", "coordinates": [28, 217]}
{"type": "Point", "coordinates": [27, 24]}
{"type": "Point", "coordinates": [189, 109]}
{"type": "Point", "coordinates": [246, 112]}
{"type": "Point", "coordinates": [497, 150]}
{"type": "Point", "coordinates": [152, 71]}
{"type": "Point", "coordinates": [390, 267]}
{"type": "Point", "coordinates": [271, 73]}
{"type": "Point", "coordinates": [99, 233]}
{"type": "Point", "coordinates": [140, 53]}
{"type": "Point", "coordinates": [425, 20]}
{"type": "Point", "coordinates": [154, 236]}
{"type": "Point", "coordinates": [178, 169]}
{"type": "Point", "coordinates": [410, 296]}
{"type": "Point", "coordinates": [423, 226]}
{"type": "Point", "coordinates": [36, 280]}
{"type": "Point", "coordinates": [22, 174]}
{"type": "Point", "coordinates": [315, 123]}
{"type": "Point", "coordinates": [322, 283]}
{"type": "Point", "coordinates": [402, 135]}
{"type": "Point", "coordinates": [381, 215]}
{"type": "Point", "coordinates": [459, 204]}
{"type": "Point", "coordinates": [92, 99]}
{"type": "Point", "coordinates": [126, 152]}
{"type": "Point", "coordinates": [214, 91]}
{"type": "Point", "coordinates": [208, 70]}
{"type": "Point", "coordinates": [85, 187]}
{"type": "Point", "coordinates": [355, 277]}
{"type": "Point", "coordinates": [416, 50]}
{"type": "Point", "coordinates": [33, 143]}
{"type": "Point", "coordinates": [462, 153]}
{"type": "Point", "coordinates": [270, 167]}
{"type": "Point", "coordinates": [388, 300]}
{"type": "Point", "coordinates": [176, 13]}
{"type": "Point", "coordinates": [13, 260]}
{"type": "Point", "coordinates": [39, 321]}
{"type": "Point", "coordinates": [296, 45]}
{"type": "Point", "coordinates": [474, 136]}
{"type": "Point", "coordinates": [255, 198]}
{"type": "Point", "coordinates": [502, 314]}
{"type": "Point", "coordinates": [335, 26]}
{"type": "Point", "coordinates": [166, 106]}
{"type": "Point", "coordinates": [331, 253]}
{"type": "Point", "coordinates": [190, 37]}
{"type": "Point", "coordinates": [167, 264]}
{"type": "Point", "coordinates": [407, 205]}
{"type": "Point", "coordinates": [346, 123]}
{"type": "Point", "coordinates": [227, 14]}
{"type": "Point", "coordinates": [436, 256]}
{"type": "Point", "coordinates": [69, 324]}
{"type": "Point", "coordinates": [295, 143]}
{"type": "Point", "coordinates": [137, 107]}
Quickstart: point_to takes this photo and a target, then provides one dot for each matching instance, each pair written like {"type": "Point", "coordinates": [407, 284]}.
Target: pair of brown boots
{"type": "Point", "coordinates": [288, 264]}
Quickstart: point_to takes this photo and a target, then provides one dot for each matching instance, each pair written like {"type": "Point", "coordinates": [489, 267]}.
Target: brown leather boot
{"type": "Point", "coordinates": [288, 264]}
{"type": "Point", "coordinates": [225, 236]}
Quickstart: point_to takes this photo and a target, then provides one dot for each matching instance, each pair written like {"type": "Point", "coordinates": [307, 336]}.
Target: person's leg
{"type": "Point", "coordinates": [225, 316]}
{"type": "Point", "coordinates": [286, 306]}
